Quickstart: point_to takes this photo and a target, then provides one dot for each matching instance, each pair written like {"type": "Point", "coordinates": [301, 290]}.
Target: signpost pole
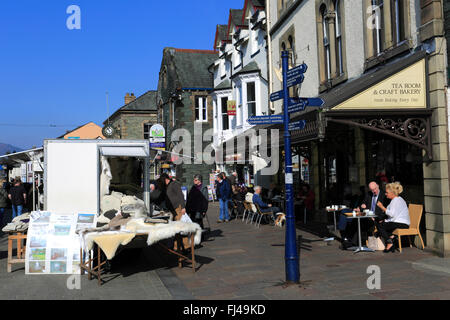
{"type": "Point", "coordinates": [291, 253]}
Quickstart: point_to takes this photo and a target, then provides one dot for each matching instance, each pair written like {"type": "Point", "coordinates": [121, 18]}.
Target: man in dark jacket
{"type": "Point", "coordinates": [197, 201]}
{"type": "Point", "coordinates": [18, 196]}
{"type": "Point", "coordinates": [175, 197]}
{"type": "Point", "coordinates": [224, 196]}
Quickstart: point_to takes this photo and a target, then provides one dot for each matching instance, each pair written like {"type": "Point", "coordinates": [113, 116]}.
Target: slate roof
{"type": "Point", "coordinates": [223, 85]}
{"type": "Point", "coordinates": [259, 3]}
{"type": "Point", "coordinates": [249, 68]}
{"type": "Point", "coordinates": [236, 17]}
{"type": "Point", "coordinates": [146, 102]}
{"type": "Point", "coordinates": [192, 67]}
{"type": "Point", "coordinates": [222, 32]}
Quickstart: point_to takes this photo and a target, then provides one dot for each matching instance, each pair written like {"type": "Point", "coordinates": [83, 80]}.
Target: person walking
{"type": "Point", "coordinates": [18, 196]}
{"type": "Point", "coordinates": [224, 196]}
{"type": "Point", "coordinates": [3, 202]}
{"type": "Point", "coordinates": [197, 201]}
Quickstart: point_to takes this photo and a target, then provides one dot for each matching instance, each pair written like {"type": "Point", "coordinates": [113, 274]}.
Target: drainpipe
{"type": "Point", "coordinates": [269, 56]}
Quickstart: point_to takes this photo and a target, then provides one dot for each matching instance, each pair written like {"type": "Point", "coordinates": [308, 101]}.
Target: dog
{"type": "Point", "coordinates": [281, 220]}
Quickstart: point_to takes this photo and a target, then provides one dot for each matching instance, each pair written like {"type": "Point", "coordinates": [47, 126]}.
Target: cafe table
{"type": "Point", "coordinates": [361, 248]}
{"type": "Point", "coordinates": [334, 211]}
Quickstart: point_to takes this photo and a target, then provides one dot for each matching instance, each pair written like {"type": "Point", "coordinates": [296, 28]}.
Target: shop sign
{"type": "Point", "coordinates": [231, 108]}
{"type": "Point", "coordinates": [157, 131]}
{"type": "Point", "coordinates": [405, 90]}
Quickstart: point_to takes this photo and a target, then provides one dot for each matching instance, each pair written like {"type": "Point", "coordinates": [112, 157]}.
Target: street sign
{"type": "Point", "coordinates": [295, 75]}
{"type": "Point", "coordinates": [276, 96]}
{"type": "Point", "coordinates": [296, 105]}
{"type": "Point", "coordinates": [266, 120]}
{"type": "Point", "coordinates": [315, 102]}
{"type": "Point", "coordinates": [298, 125]}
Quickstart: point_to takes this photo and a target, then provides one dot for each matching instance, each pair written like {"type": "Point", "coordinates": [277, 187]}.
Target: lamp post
{"type": "Point", "coordinates": [291, 253]}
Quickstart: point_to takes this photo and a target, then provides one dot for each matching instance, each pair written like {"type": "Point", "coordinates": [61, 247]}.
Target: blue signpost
{"type": "Point", "coordinates": [290, 78]}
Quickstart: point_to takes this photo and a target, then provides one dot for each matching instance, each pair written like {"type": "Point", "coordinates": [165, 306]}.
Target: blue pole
{"type": "Point", "coordinates": [291, 253]}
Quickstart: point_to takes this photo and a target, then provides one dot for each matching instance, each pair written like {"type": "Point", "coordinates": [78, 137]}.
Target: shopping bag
{"type": "Point", "coordinates": [375, 244]}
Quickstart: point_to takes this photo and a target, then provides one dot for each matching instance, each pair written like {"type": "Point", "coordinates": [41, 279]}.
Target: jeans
{"type": "Point", "coordinates": [16, 211]}
{"type": "Point", "coordinates": [224, 215]}
{"type": "Point", "coordinates": [2, 212]}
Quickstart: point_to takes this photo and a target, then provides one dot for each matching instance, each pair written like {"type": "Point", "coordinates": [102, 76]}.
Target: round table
{"type": "Point", "coordinates": [361, 248]}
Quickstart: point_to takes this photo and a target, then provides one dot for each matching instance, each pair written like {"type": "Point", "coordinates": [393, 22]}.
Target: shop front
{"type": "Point", "coordinates": [377, 128]}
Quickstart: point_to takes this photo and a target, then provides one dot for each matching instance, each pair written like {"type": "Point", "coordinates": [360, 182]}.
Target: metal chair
{"type": "Point", "coordinates": [250, 212]}
{"type": "Point", "coordinates": [263, 214]}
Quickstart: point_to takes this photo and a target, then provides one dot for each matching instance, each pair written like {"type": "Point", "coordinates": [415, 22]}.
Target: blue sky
{"type": "Point", "coordinates": [50, 75]}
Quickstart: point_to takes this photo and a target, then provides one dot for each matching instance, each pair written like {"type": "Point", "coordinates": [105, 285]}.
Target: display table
{"type": "Point", "coordinates": [21, 239]}
{"type": "Point", "coordinates": [107, 242]}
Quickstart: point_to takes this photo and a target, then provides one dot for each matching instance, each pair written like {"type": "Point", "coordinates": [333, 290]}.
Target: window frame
{"type": "Point", "coordinates": [203, 113]}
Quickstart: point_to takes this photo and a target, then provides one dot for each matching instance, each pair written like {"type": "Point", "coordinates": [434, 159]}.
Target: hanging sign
{"type": "Point", "coordinates": [231, 108]}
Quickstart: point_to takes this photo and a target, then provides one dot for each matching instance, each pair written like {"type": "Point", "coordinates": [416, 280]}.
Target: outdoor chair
{"type": "Point", "coordinates": [261, 215]}
{"type": "Point", "coordinates": [415, 215]}
{"type": "Point", "coordinates": [250, 212]}
{"type": "Point", "coordinates": [237, 208]}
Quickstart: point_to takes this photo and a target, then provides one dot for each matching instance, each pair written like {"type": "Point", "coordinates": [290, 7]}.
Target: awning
{"type": "Point", "coordinates": [124, 151]}
{"type": "Point", "coordinates": [16, 159]}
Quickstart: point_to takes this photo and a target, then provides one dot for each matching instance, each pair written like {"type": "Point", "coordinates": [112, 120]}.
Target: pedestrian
{"type": "Point", "coordinates": [197, 201]}
{"type": "Point", "coordinates": [18, 196]}
{"type": "Point", "coordinates": [3, 202]}
{"type": "Point", "coordinates": [224, 196]}
{"type": "Point", "coordinates": [175, 197]}
{"type": "Point", "coordinates": [233, 178]}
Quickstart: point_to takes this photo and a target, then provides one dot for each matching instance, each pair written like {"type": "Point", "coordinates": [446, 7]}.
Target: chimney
{"type": "Point", "coordinates": [129, 98]}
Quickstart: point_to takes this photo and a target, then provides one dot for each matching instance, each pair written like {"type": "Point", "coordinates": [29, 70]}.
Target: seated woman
{"type": "Point", "coordinates": [397, 215]}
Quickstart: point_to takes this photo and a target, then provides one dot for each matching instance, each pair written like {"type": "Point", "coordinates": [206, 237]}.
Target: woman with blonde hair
{"type": "Point", "coordinates": [397, 213]}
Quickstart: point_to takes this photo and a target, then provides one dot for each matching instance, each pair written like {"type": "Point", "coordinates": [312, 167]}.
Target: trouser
{"type": "Point", "coordinates": [197, 217]}
{"type": "Point", "coordinates": [2, 213]}
{"type": "Point", "coordinates": [274, 211]}
{"type": "Point", "coordinates": [386, 228]}
{"type": "Point", "coordinates": [16, 211]}
{"type": "Point", "coordinates": [224, 214]}
{"type": "Point", "coordinates": [178, 218]}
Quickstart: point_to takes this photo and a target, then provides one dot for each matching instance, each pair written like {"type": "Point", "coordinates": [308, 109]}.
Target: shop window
{"type": "Point", "coordinates": [201, 112]}
{"type": "Point", "coordinates": [225, 120]}
{"type": "Point", "coordinates": [251, 99]}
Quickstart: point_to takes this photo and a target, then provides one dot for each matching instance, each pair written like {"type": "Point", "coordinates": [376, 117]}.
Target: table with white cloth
{"type": "Point", "coordinates": [109, 241]}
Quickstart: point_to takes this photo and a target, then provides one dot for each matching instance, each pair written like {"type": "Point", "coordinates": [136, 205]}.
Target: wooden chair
{"type": "Point", "coordinates": [415, 215]}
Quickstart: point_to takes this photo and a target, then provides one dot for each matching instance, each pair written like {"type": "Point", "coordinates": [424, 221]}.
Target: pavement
{"type": "Point", "coordinates": [241, 262]}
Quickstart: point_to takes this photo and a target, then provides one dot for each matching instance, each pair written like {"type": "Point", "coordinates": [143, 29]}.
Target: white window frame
{"type": "Point", "coordinates": [203, 108]}
{"type": "Point", "coordinates": [338, 25]}
{"type": "Point", "coordinates": [148, 126]}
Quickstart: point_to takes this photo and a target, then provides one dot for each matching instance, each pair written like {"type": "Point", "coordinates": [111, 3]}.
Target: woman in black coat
{"type": "Point", "coordinates": [197, 201]}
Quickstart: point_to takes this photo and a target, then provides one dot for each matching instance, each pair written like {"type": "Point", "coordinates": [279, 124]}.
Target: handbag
{"type": "Point", "coordinates": [375, 244]}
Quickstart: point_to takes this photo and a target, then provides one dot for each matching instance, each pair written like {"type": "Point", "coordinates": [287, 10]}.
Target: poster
{"type": "Point", "coordinates": [53, 247]}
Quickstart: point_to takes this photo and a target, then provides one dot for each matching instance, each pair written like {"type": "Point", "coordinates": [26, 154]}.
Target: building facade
{"type": "Point", "coordinates": [185, 110]}
{"type": "Point", "coordinates": [134, 120]}
{"type": "Point", "coordinates": [381, 68]}
{"type": "Point", "coordinates": [240, 84]}
{"type": "Point", "coordinates": [86, 132]}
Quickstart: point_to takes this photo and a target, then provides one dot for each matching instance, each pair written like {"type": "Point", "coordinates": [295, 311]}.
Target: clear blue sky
{"type": "Point", "coordinates": [50, 75]}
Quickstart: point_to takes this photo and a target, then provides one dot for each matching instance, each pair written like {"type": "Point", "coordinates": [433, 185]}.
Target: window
{"type": "Point", "coordinates": [378, 37]}
{"type": "Point", "coordinates": [225, 121]}
{"type": "Point", "coordinates": [398, 21]}
{"type": "Point", "coordinates": [251, 99]}
{"type": "Point", "coordinates": [172, 114]}
{"type": "Point", "coordinates": [338, 26]}
{"type": "Point", "coordinates": [147, 127]}
{"type": "Point", "coordinates": [291, 51]}
{"type": "Point", "coordinates": [326, 43]}
{"type": "Point", "coordinates": [201, 109]}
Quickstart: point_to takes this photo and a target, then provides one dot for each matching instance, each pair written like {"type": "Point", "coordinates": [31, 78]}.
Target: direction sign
{"type": "Point", "coordinates": [296, 105]}
{"type": "Point", "coordinates": [276, 96]}
{"type": "Point", "coordinates": [298, 125]}
{"type": "Point", "coordinates": [266, 120]}
{"type": "Point", "coordinates": [295, 75]}
{"type": "Point", "coordinates": [315, 102]}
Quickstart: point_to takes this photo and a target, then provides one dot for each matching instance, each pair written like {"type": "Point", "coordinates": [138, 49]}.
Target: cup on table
{"type": "Point", "coordinates": [354, 214]}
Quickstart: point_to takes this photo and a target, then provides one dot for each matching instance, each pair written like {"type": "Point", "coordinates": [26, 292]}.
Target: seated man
{"type": "Point", "coordinates": [263, 206]}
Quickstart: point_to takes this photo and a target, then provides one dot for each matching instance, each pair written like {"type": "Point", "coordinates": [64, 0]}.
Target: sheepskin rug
{"type": "Point", "coordinates": [158, 232]}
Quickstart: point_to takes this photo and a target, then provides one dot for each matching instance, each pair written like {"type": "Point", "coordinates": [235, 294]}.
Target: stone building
{"type": "Point", "coordinates": [184, 103]}
{"type": "Point", "coordinates": [381, 68]}
{"type": "Point", "coordinates": [134, 120]}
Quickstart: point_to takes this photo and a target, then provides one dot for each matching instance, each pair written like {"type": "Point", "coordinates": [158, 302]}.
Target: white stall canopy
{"type": "Point", "coordinates": [124, 151]}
